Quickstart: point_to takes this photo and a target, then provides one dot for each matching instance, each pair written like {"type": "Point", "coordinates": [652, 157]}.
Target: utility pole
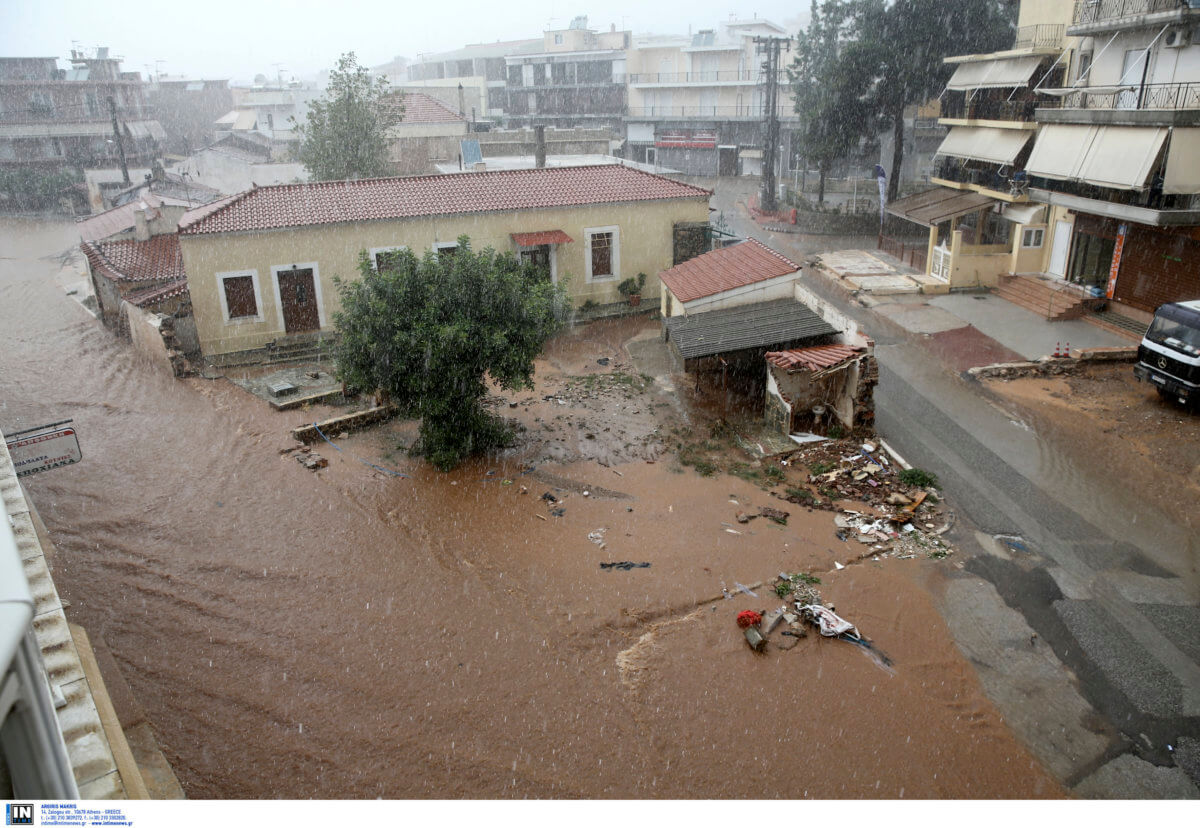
{"type": "Point", "coordinates": [771, 46]}
{"type": "Point", "coordinates": [112, 108]}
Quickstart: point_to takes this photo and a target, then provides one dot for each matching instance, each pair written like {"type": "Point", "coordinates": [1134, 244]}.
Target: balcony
{"type": "Point", "coordinates": [984, 107]}
{"type": "Point", "coordinates": [731, 77]}
{"type": "Point", "coordinates": [1040, 36]}
{"type": "Point", "coordinates": [711, 113]}
{"type": "Point", "coordinates": [1154, 104]}
{"type": "Point", "coordinates": [995, 180]}
{"type": "Point", "coordinates": [1147, 205]}
{"type": "Point", "coordinates": [1095, 16]}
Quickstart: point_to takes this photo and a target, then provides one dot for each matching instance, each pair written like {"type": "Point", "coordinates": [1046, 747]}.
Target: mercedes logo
{"type": "Point", "coordinates": [1162, 362]}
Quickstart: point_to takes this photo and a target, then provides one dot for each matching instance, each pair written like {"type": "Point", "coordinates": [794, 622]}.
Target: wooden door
{"type": "Point", "coordinates": [299, 300]}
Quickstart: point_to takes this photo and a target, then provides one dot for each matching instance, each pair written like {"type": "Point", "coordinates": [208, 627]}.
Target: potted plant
{"type": "Point", "coordinates": [631, 289]}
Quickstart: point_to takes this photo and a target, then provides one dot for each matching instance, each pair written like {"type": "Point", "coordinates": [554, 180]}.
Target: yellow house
{"type": "Point", "coordinates": [261, 264]}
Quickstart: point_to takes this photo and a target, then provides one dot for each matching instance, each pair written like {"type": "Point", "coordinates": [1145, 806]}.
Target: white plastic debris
{"type": "Point", "coordinates": [837, 565]}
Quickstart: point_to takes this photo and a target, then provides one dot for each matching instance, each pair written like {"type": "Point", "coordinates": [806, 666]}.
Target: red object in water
{"type": "Point", "coordinates": [748, 618]}
{"type": "Point", "coordinates": [793, 216]}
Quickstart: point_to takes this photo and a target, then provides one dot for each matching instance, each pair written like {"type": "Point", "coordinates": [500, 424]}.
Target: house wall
{"type": "Point", "coordinates": [1166, 65]}
{"type": "Point", "coordinates": [644, 245]}
{"type": "Point", "coordinates": [1028, 259]}
{"type": "Point", "coordinates": [146, 335]}
{"type": "Point", "coordinates": [1035, 12]}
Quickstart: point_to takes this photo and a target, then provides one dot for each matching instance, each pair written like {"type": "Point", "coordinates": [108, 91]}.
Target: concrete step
{"type": "Point", "coordinates": [1115, 323]}
{"type": "Point", "coordinates": [1041, 298]}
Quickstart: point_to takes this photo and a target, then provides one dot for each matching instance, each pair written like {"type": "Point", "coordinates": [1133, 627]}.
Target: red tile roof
{"type": "Point", "coordinates": [373, 199]}
{"type": "Point", "coordinates": [724, 269]}
{"type": "Point", "coordinates": [149, 296]}
{"type": "Point", "coordinates": [815, 358]}
{"type": "Point", "coordinates": [420, 108]}
{"type": "Point", "coordinates": [117, 220]}
{"type": "Point", "coordinates": [137, 261]}
{"type": "Point", "coordinates": [541, 237]}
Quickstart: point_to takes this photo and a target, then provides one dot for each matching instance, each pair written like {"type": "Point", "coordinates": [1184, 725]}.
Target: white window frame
{"type": "Point", "coordinates": [275, 269]}
{"type": "Point", "coordinates": [1038, 233]}
{"type": "Point", "coordinates": [553, 258]}
{"type": "Point", "coordinates": [440, 246]}
{"type": "Point", "coordinates": [375, 251]}
{"type": "Point", "coordinates": [237, 274]}
{"type": "Point", "coordinates": [588, 232]}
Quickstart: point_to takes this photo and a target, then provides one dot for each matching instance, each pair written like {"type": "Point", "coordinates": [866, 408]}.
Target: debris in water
{"type": "Point", "coordinates": [624, 565]}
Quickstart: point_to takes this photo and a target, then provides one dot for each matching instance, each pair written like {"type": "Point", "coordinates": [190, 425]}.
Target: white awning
{"type": "Point", "coordinates": [1183, 162]}
{"type": "Point", "coordinates": [999, 146]}
{"type": "Point", "coordinates": [1024, 213]}
{"type": "Point", "coordinates": [1060, 150]}
{"type": "Point", "coordinates": [146, 129]}
{"type": "Point", "coordinates": [1120, 157]}
{"type": "Point", "coordinates": [246, 120]}
{"type": "Point", "coordinates": [1123, 157]}
{"type": "Point", "coordinates": [994, 74]}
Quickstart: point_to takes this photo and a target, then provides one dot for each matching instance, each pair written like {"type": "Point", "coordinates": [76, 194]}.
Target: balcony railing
{"type": "Point", "coordinates": [1039, 36]}
{"type": "Point", "coordinates": [1098, 11]}
{"type": "Point", "coordinates": [730, 76]}
{"type": "Point", "coordinates": [1001, 179]}
{"type": "Point", "coordinates": [1150, 96]}
{"type": "Point", "coordinates": [705, 112]}
{"type": "Point", "coordinates": [962, 105]}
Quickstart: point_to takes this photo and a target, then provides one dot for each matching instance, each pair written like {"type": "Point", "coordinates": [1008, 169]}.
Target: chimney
{"type": "Point", "coordinates": [539, 148]}
{"type": "Point", "coordinates": [141, 229]}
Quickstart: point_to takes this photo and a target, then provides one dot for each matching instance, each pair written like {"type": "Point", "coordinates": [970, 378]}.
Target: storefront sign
{"type": "Point", "coordinates": [1116, 260]}
{"type": "Point", "coordinates": [44, 447]}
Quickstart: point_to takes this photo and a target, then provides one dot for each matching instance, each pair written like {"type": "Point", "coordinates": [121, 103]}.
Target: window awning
{"type": "Point", "coordinates": [1023, 213]}
{"type": "Point", "coordinates": [541, 237]}
{"type": "Point", "coordinates": [999, 146]}
{"type": "Point", "coordinates": [994, 74]}
{"type": "Point", "coordinates": [146, 129]}
{"type": "Point", "coordinates": [1183, 162]}
{"type": "Point", "coordinates": [1107, 156]}
{"type": "Point", "coordinates": [246, 119]}
{"type": "Point", "coordinates": [941, 204]}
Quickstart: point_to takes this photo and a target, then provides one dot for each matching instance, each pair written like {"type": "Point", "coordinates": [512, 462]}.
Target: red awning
{"type": "Point", "coordinates": [541, 237]}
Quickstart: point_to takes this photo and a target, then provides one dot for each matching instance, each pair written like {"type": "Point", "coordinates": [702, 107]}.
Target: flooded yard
{"type": "Point", "coordinates": [350, 634]}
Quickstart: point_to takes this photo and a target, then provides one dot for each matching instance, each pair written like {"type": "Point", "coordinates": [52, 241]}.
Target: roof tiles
{"type": "Point", "coordinates": [420, 108]}
{"type": "Point", "coordinates": [815, 358]}
{"type": "Point", "coordinates": [724, 269]}
{"type": "Point", "coordinates": [137, 261]}
{"type": "Point", "coordinates": [374, 199]}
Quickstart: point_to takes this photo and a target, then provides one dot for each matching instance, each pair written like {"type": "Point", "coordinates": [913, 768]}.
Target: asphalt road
{"type": "Point", "coordinates": [1079, 606]}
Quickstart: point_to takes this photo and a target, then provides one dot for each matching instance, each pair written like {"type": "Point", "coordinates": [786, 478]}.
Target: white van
{"type": "Point", "coordinates": [1169, 356]}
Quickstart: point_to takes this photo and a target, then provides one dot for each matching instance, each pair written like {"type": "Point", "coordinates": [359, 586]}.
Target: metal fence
{"type": "Point", "coordinates": [1149, 96]}
{"type": "Point", "coordinates": [912, 254]}
{"type": "Point", "coordinates": [1096, 11]}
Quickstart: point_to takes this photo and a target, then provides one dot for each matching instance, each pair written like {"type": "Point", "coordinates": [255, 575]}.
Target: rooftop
{"type": "Point", "coordinates": [816, 358]}
{"type": "Point", "coordinates": [375, 199]}
{"type": "Point", "coordinates": [773, 324]}
{"type": "Point", "coordinates": [131, 260]}
{"type": "Point", "coordinates": [729, 267]}
{"type": "Point", "coordinates": [420, 108]}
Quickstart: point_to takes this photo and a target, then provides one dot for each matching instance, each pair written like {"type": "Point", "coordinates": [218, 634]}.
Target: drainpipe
{"type": "Point", "coordinates": [539, 149]}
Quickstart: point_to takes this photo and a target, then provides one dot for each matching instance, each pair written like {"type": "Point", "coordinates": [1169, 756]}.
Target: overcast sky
{"type": "Point", "coordinates": [237, 39]}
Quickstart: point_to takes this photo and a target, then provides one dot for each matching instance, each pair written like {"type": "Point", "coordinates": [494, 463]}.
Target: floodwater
{"type": "Point", "coordinates": [346, 634]}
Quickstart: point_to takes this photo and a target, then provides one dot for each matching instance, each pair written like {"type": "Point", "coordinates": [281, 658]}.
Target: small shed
{"type": "Point", "coordinates": [738, 274]}
{"type": "Point", "coordinates": [813, 388]}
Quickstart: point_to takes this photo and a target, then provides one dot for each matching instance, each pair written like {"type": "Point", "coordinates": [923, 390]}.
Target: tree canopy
{"type": "Point", "coordinates": [429, 332]}
{"type": "Point", "coordinates": [346, 132]}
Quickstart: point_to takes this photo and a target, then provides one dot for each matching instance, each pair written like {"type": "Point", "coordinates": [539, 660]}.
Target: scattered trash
{"type": "Point", "coordinates": [755, 639]}
{"type": "Point", "coordinates": [603, 361]}
{"type": "Point", "coordinates": [742, 517]}
{"type": "Point", "coordinates": [776, 515]}
{"type": "Point", "coordinates": [837, 565]}
{"type": "Point", "coordinates": [557, 512]}
{"type": "Point", "coordinates": [748, 618]}
{"type": "Point", "coordinates": [549, 498]}
{"type": "Point", "coordinates": [745, 589]}
{"type": "Point", "coordinates": [597, 537]}
{"type": "Point", "coordinates": [624, 565]}
{"type": "Point", "coordinates": [733, 531]}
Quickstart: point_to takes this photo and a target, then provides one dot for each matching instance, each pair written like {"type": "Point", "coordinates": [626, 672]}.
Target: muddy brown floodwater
{"type": "Point", "coordinates": [346, 634]}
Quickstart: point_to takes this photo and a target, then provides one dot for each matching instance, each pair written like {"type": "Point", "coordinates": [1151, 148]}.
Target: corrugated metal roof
{"type": "Point", "coordinates": [332, 202]}
{"type": "Point", "coordinates": [814, 358]}
{"type": "Point", "coordinates": [729, 267]}
{"type": "Point", "coordinates": [761, 325]}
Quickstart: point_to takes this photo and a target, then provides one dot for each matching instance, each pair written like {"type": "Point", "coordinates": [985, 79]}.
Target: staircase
{"type": "Point", "coordinates": [1048, 299]}
{"type": "Point", "coordinates": [317, 347]}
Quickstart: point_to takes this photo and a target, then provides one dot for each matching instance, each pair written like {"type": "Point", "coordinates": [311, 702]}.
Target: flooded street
{"type": "Point", "coordinates": [346, 634]}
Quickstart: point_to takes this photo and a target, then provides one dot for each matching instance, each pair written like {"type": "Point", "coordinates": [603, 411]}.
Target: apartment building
{"type": "Point", "coordinates": [697, 103]}
{"type": "Point", "coordinates": [471, 80]}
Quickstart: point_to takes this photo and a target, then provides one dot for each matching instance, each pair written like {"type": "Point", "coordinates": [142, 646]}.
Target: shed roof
{"type": "Point", "coordinates": [117, 220]}
{"type": "Point", "coordinates": [131, 260]}
{"type": "Point", "coordinates": [814, 358]}
{"type": "Point", "coordinates": [761, 325]}
{"type": "Point", "coordinates": [729, 267]}
{"type": "Point", "coordinates": [373, 199]}
{"type": "Point", "coordinates": [937, 205]}
{"type": "Point", "coordinates": [420, 108]}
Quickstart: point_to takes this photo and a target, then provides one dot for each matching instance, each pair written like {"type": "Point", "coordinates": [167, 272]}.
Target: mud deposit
{"type": "Point", "coordinates": [346, 634]}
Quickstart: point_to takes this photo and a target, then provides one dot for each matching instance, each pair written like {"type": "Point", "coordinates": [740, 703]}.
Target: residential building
{"type": "Point", "coordinates": [578, 79]}
{"type": "Point", "coordinates": [428, 133]}
{"type": "Point", "coordinates": [261, 264]}
{"type": "Point", "coordinates": [53, 120]}
{"type": "Point", "coordinates": [472, 80]}
{"type": "Point", "coordinates": [1117, 156]}
{"type": "Point", "coordinates": [697, 104]}
{"type": "Point", "coordinates": [188, 109]}
{"type": "Point", "coordinates": [144, 271]}
{"type": "Point", "coordinates": [238, 162]}
{"type": "Point", "coordinates": [1070, 171]}
{"type": "Point", "coordinates": [270, 111]}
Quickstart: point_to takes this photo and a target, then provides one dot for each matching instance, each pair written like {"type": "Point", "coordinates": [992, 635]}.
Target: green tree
{"type": "Point", "coordinates": [346, 134]}
{"type": "Point", "coordinates": [828, 76]}
{"type": "Point", "coordinates": [429, 332]}
{"type": "Point", "coordinates": [911, 39]}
